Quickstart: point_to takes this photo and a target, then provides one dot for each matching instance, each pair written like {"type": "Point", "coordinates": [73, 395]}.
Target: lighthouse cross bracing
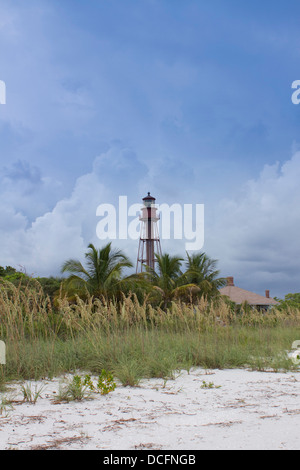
{"type": "Point", "coordinates": [149, 242]}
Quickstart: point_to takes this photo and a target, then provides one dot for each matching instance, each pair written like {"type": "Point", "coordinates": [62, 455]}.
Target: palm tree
{"type": "Point", "coordinates": [201, 271]}
{"type": "Point", "coordinates": [102, 275]}
{"type": "Point", "coordinates": [169, 281]}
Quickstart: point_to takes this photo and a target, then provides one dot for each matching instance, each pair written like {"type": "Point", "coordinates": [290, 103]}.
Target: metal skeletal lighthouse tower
{"type": "Point", "coordinates": [149, 242]}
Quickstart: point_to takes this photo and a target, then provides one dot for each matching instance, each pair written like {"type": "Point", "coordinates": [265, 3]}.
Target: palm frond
{"type": "Point", "coordinates": [74, 266]}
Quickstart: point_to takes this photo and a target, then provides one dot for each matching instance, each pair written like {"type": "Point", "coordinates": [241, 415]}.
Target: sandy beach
{"type": "Point", "coordinates": [218, 409]}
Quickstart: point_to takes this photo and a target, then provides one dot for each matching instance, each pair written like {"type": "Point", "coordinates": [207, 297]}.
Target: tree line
{"type": "Point", "coordinates": [103, 276]}
{"type": "Point", "coordinates": [173, 278]}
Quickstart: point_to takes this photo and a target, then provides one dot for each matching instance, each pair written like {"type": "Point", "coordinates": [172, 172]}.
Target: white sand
{"type": "Point", "coordinates": [251, 410]}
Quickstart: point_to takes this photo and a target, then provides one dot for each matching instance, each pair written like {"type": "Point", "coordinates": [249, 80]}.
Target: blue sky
{"type": "Point", "coordinates": [190, 100]}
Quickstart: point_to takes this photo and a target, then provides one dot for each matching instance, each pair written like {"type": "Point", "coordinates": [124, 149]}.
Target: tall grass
{"type": "Point", "coordinates": [135, 340]}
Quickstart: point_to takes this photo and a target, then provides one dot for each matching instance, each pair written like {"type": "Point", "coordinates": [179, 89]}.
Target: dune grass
{"type": "Point", "coordinates": [134, 340]}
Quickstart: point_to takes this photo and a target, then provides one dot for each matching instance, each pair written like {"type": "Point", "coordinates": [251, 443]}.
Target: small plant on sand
{"type": "Point", "coordinates": [5, 407]}
{"type": "Point", "coordinates": [82, 387]}
{"type": "Point", "coordinates": [106, 382]}
{"type": "Point", "coordinates": [209, 385]}
{"type": "Point", "coordinates": [31, 393]}
{"type": "Point", "coordinates": [87, 381]}
{"type": "Point", "coordinates": [76, 390]}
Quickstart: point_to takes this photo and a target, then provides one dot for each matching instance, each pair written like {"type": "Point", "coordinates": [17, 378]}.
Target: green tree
{"type": "Point", "coordinates": [290, 301]}
{"type": "Point", "coordinates": [200, 278]}
{"type": "Point", "coordinates": [12, 275]}
{"type": "Point", "coordinates": [102, 275]}
{"type": "Point", "coordinates": [201, 270]}
{"type": "Point", "coordinates": [167, 280]}
{"type": "Point", "coordinates": [7, 271]}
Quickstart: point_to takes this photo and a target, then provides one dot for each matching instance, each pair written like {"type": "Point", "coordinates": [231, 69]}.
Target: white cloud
{"type": "Point", "coordinates": [256, 235]}
{"type": "Point", "coordinates": [65, 231]}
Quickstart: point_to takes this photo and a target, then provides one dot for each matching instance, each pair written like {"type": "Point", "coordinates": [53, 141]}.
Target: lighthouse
{"type": "Point", "coordinates": [149, 242]}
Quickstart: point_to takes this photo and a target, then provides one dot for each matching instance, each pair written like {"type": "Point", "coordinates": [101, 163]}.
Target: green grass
{"type": "Point", "coordinates": [136, 341]}
{"type": "Point", "coordinates": [137, 353]}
